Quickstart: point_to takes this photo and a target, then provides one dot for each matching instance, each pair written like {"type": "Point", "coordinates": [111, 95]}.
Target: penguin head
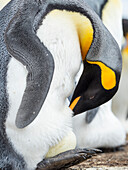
{"type": "Point", "coordinates": [100, 55]}
{"type": "Point", "coordinates": [102, 67]}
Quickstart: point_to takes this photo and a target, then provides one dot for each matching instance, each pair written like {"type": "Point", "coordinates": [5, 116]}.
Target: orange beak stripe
{"type": "Point", "coordinates": [74, 103]}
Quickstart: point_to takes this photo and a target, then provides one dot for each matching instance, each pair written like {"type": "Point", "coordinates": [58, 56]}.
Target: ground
{"type": "Point", "coordinates": [106, 161]}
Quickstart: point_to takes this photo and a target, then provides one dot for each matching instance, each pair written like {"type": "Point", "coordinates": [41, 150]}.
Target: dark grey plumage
{"type": "Point", "coordinates": [97, 5]}
{"type": "Point", "coordinates": [90, 115]}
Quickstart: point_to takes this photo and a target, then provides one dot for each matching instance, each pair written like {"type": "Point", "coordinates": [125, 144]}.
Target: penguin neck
{"type": "Point", "coordinates": [59, 34]}
{"type": "Point", "coordinates": [63, 21]}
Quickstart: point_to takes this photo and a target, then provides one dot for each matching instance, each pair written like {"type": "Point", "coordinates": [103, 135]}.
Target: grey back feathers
{"type": "Point", "coordinates": [5, 16]}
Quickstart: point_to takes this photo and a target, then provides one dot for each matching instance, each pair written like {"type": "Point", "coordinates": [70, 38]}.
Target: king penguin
{"type": "Point", "coordinates": [42, 44]}
{"type": "Point", "coordinates": [120, 100]}
{"type": "Point", "coordinates": [99, 127]}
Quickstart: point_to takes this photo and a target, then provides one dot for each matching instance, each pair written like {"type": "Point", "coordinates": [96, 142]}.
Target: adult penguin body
{"type": "Point", "coordinates": [36, 78]}
{"type": "Point", "coordinates": [120, 100]}
{"type": "Point", "coordinates": [100, 128]}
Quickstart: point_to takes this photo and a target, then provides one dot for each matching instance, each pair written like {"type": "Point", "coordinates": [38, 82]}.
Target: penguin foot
{"type": "Point", "coordinates": [66, 159]}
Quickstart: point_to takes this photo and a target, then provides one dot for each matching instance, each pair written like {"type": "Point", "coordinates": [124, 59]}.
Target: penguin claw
{"type": "Point", "coordinates": [66, 159]}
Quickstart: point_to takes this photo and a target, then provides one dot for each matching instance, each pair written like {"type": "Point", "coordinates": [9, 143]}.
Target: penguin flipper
{"type": "Point", "coordinates": [66, 159]}
{"type": "Point", "coordinates": [90, 115]}
{"type": "Point", "coordinates": [23, 44]}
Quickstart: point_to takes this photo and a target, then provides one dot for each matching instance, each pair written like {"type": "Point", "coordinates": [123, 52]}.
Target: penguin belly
{"type": "Point", "coordinates": [54, 121]}
{"type": "Point", "coordinates": [104, 131]}
{"type": "Point", "coordinates": [120, 100]}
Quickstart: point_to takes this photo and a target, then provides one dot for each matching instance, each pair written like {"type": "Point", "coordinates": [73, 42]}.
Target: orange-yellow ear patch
{"type": "Point", "coordinates": [108, 76]}
{"type": "Point", "coordinates": [74, 103]}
